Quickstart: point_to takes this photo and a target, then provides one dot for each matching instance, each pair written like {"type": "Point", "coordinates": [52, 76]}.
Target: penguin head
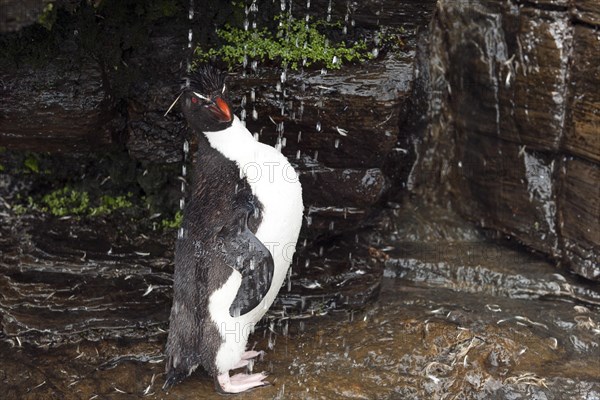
{"type": "Point", "coordinates": [204, 104]}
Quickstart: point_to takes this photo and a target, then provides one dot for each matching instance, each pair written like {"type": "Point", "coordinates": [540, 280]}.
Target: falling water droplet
{"type": "Point", "coordinates": [318, 127]}
{"type": "Point", "coordinates": [186, 147]}
{"type": "Point", "coordinates": [298, 155]}
{"type": "Point", "coordinates": [316, 155]}
{"type": "Point", "coordinates": [254, 114]}
{"type": "Point", "coordinates": [337, 143]}
{"type": "Point", "coordinates": [331, 225]}
{"type": "Point", "coordinates": [299, 137]}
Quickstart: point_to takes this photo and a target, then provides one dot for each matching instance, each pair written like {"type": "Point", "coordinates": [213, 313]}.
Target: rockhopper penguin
{"type": "Point", "coordinates": [240, 227]}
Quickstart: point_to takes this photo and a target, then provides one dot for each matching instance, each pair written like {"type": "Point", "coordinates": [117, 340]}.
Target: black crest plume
{"type": "Point", "coordinates": [207, 79]}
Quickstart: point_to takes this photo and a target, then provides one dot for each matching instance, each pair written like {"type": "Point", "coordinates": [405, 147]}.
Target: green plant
{"type": "Point", "coordinates": [172, 223]}
{"type": "Point", "coordinates": [109, 204]}
{"type": "Point", "coordinates": [391, 38]}
{"type": "Point", "coordinates": [68, 201]}
{"type": "Point", "coordinates": [48, 16]}
{"type": "Point", "coordinates": [295, 43]}
{"type": "Point", "coordinates": [32, 163]}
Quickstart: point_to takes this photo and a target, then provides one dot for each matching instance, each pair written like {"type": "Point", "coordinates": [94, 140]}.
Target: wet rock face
{"type": "Point", "coordinates": [516, 111]}
{"type": "Point", "coordinates": [338, 129]}
{"type": "Point", "coordinates": [112, 85]}
{"type": "Point", "coordinates": [62, 107]}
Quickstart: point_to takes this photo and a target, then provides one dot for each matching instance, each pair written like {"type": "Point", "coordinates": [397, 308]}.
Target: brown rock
{"type": "Point", "coordinates": [348, 187]}
{"type": "Point", "coordinates": [504, 186]}
{"type": "Point", "coordinates": [536, 73]}
{"type": "Point", "coordinates": [513, 95]}
{"type": "Point", "coordinates": [587, 11]}
{"type": "Point", "coordinates": [61, 107]}
{"type": "Point", "coordinates": [579, 216]}
{"type": "Point", "coordinates": [583, 127]}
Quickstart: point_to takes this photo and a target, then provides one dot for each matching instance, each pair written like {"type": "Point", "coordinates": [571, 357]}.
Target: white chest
{"type": "Point", "coordinates": [275, 183]}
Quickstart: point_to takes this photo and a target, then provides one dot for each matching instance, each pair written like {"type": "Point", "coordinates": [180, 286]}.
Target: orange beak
{"type": "Point", "coordinates": [221, 110]}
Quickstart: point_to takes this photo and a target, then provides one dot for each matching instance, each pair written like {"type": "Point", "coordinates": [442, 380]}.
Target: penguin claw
{"type": "Point", "coordinates": [239, 383]}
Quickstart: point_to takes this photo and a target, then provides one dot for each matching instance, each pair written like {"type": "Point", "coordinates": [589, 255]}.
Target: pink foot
{"type": "Point", "coordinates": [240, 382]}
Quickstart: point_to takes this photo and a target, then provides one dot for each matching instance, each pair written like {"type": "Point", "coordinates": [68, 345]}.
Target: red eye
{"type": "Point", "coordinates": [194, 100]}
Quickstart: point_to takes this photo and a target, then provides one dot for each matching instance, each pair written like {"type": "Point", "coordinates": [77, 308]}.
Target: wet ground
{"type": "Point", "coordinates": [457, 316]}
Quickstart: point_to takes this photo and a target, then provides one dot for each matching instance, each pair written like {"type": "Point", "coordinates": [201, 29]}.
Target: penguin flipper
{"type": "Point", "coordinates": [251, 258]}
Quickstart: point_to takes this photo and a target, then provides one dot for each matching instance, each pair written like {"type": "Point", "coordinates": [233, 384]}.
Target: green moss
{"type": "Point", "coordinates": [391, 38]}
{"type": "Point", "coordinates": [32, 163]}
{"type": "Point", "coordinates": [295, 43]}
{"type": "Point", "coordinates": [48, 17]}
{"type": "Point", "coordinates": [109, 204]}
{"type": "Point", "coordinates": [19, 209]}
{"type": "Point", "coordinates": [173, 223]}
{"type": "Point", "coordinates": [68, 201]}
